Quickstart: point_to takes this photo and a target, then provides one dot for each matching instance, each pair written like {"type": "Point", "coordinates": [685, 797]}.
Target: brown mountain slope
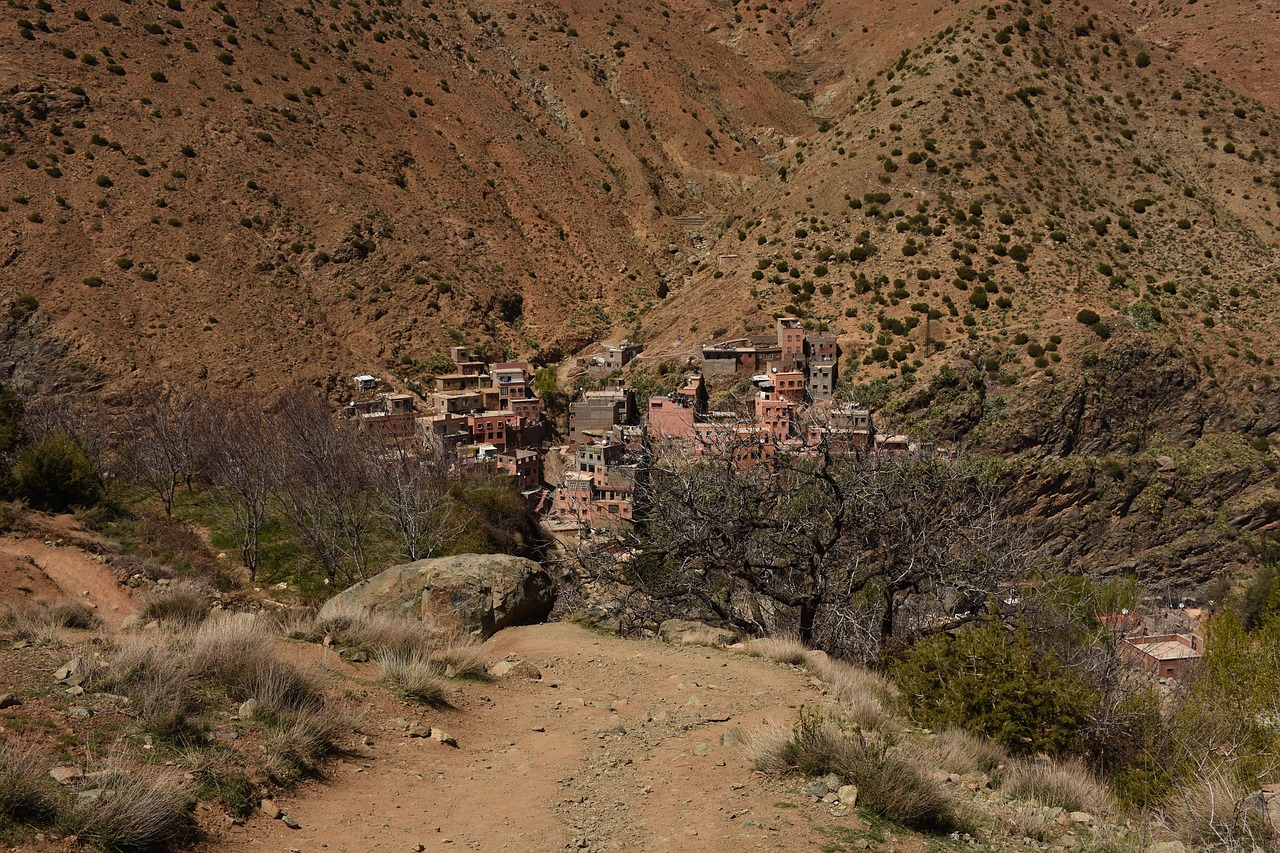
{"type": "Point", "coordinates": [301, 191]}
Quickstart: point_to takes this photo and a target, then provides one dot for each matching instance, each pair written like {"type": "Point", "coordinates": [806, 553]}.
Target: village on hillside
{"type": "Point", "coordinates": [486, 418]}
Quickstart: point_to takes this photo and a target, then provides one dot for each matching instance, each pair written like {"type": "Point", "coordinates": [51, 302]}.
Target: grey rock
{"type": "Point", "coordinates": [8, 700]}
{"type": "Point", "coordinates": [463, 594]}
{"type": "Point", "coordinates": [291, 822]}
{"type": "Point", "coordinates": [360, 657]}
{"type": "Point", "coordinates": [68, 669]}
{"type": "Point", "coordinates": [703, 748]}
{"type": "Point", "coordinates": [248, 708]}
{"type": "Point", "coordinates": [445, 738]}
{"type": "Point", "coordinates": [66, 775]}
{"type": "Point", "coordinates": [132, 622]}
{"type": "Point", "coordinates": [79, 710]}
{"type": "Point", "coordinates": [848, 795]}
{"type": "Point", "coordinates": [271, 810]}
{"type": "Point", "coordinates": [1166, 847]}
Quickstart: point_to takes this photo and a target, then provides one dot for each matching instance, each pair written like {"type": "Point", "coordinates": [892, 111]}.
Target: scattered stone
{"type": "Point", "coordinates": [848, 795]}
{"type": "Point", "coordinates": [539, 728]}
{"type": "Point", "coordinates": [8, 700]}
{"type": "Point", "coordinates": [703, 748]}
{"type": "Point", "coordinates": [291, 822]}
{"type": "Point", "coordinates": [1166, 847]}
{"type": "Point", "coordinates": [1082, 817]}
{"type": "Point", "coordinates": [733, 737]}
{"type": "Point", "coordinates": [248, 708]}
{"type": "Point", "coordinates": [66, 775]}
{"type": "Point", "coordinates": [89, 795]}
{"type": "Point", "coordinates": [68, 669]}
{"type": "Point", "coordinates": [271, 810]}
{"type": "Point", "coordinates": [77, 690]}
{"type": "Point", "coordinates": [132, 622]}
{"type": "Point", "coordinates": [418, 848]}
{"type": "Point", "coordinates": [79, 710]}
{"type": "Point", "coordinates": [442, 737]}
{"type": "Point", "coordinates": [360, 657]}
{"type": "Point", "coordinates": [817, 788]}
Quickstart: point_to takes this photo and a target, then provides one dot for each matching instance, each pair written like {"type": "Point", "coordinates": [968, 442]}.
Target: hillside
{"type": "Point", "coordinates": [274, 194]}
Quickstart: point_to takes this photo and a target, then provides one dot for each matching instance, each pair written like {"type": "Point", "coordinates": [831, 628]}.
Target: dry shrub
{"type": "Point", "coordinates": [1216, 811]}
{"type": "Point", "coordinates": [133, 812]}
{"type": "Point", "coordinates": [234, 651]}
{"type": "Point", "coordinates": [127, 566]}
{"type": "Point", "coordinates": [782, 649]}
{"type": "Point", "coordinates": [1067, 783]}
{"type": "Point", "coordinates": [40, 620]}
{"type": "Point", "coordinates": [890, 781]}
{"type": "Point", "coordinates": [863, 695]}
{"type": "Point", "coordinates": [462, 657]}
{"type": "Point", "coordinates": [26, 795]}
{"type": "Point", "coordinates": [716, 638]}
{"type": "Point", "coordinates": [413, 674]}
{"type": "Point", "coordinates": [959, 751]}
{"type": "Point", "coordinates": [181, 606]}
{"type": "Point", "coordinates": [366, 631]}
{"type": "Point", "coordinates": [281, 688]}
{"type": "Point", "coordinates": [154, 676]}
{"type": "Point", "coordinates": [302, 736]}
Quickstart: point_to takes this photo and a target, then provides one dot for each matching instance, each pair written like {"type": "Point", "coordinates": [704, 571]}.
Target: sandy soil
{"type": "Point", "coordinates": [41, 567]}
{"type": "Point", "coordinates": [621, 746]}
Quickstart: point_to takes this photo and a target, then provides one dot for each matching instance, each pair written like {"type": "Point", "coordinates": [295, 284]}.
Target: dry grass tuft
{"type": "Point", "coordinates": [152, 673]}
{"type": "Point", "coordinates": [1216, 811]}
{"type": "Point", "coordinates": [863, 695]}
{"type": "Point", "coordinates": [234, 651]}
{"type": "Point", "coordinates": [1067, 783]}
{"type": "Point", "coordinates": [891, 782]}
{"type": "Point", "coordinates": [782, 649]}
{"type": "Point", "coordinates": [959, 751]}
{"type": "Point", "coordinates": [281, 688]}
{"type": "Point", "coordinates": [302, 737]}
{"type": "Point", "coordinates": [26, 793]}
{"type": "Point", "coordinates": [181, 606]}
{"type": "Point", "coordinates": [414, 675]}
{"type": "Point", "coordinates": [462, 657]}
{"type": "Point", "coordinates": [40, 621]}
{"type": "Point", "coordinates": [132, 812]}
{"type": "Point", "coordinates": [362, 630]}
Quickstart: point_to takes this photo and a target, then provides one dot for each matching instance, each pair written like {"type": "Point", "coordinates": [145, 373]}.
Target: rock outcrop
{"type": "Point", "coordinates": [466, 594]}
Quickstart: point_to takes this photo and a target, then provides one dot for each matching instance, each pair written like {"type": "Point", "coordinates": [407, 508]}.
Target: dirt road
{"type": "Point", "coordinates": [623, 745]}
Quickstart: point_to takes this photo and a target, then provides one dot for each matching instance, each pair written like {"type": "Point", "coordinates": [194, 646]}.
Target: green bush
{"type": "Point", "coordinates": [55, 474]}
{"type": "Point", "coordinates": [995, 682]}
{"type": "Point", "coordinates": [1087, 317]}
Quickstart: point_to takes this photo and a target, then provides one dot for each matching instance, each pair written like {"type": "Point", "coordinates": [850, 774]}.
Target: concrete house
{"type": "Point", "coordinates": [1164, 655]}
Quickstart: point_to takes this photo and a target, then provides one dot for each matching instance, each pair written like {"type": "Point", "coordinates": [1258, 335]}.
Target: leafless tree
{"type": "Point", "coordinates": [855, 551]}
{"type": "Point", "coordinates": [324, 484]}
{"type": "Point", "coordinates": [242, 444]}
{"type": "Point", "coordinates": [413, 500]}
{"type": "Point", "coordinates": [160, 441]}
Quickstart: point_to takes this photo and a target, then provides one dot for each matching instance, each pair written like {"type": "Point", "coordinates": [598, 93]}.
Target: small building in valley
{"type": "Point", "coordinates": [1164, 655]}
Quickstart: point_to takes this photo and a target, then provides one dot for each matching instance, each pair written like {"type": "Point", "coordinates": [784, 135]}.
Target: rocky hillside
{"type": "Point", "coordinates": [1046, 230]}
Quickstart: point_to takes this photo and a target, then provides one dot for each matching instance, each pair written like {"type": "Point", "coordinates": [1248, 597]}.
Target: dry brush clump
{"type": "Point", "coordinates": [864, 696]}
{"type": "Point", "coordinates": [892, 782]}
{"type": "Point", "coordinates": [366, 631]}
{"type": "Point", "coordinates": [26, 793]}
{"type": "Point", "coordinates": [131, 811]}
{"type": "Point", "coordinates": [415, 675]}
{"type": "Point", "coordinates": [181, 606]}
{"type": "Point", "coordinates": [782, 649]}
{"type": "Point", "coordinates": [959, 751]}
{"type": "Point", "coordinates": [41, 621]}
{"type": "Point", "coordinates": [1067, 783]}
{"type": "Point", "coordinates": [461, 657]}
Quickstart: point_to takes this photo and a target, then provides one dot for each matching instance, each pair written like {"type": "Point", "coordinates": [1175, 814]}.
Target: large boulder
{"type": "Point", "coordinates": [464, 594]}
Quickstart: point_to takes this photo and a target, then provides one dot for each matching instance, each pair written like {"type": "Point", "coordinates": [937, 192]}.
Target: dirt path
{"type": "Point", "coordinates": [75, 573]}
{"type": "Point", "coordinates": [623, 745]}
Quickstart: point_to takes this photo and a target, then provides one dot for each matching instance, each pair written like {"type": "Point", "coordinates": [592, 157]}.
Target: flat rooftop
{"type": "Point", "coordinates": [1168, 650]}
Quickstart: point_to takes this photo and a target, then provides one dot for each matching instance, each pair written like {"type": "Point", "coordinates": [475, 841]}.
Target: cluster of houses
{"type": "Point", "coordinates": [486, 418]}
